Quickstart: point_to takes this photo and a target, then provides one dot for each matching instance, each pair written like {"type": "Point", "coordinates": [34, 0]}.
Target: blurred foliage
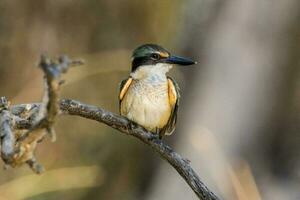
{"type": "Point", "coordinates": [246, 102]}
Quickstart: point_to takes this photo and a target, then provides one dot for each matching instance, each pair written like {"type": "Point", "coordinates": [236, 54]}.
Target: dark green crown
{"type": "Point", "coordinates": [151, 54]}
{"type": "Point", "coordinates": [148, 49]}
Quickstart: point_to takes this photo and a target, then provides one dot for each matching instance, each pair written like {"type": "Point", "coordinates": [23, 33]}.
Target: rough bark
{"type": "Point", "coordinates": [37, 120]}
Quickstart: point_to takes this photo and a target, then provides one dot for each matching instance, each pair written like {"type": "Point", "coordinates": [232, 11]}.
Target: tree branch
{"type": "Point", "coordinates": [38, 119]}
{"type": "Point", "coordinates": [122, 124]}
{"type": "Point", "coordinates": [6, 133]}
{"type": "Point", "coordinates": [19, 147]}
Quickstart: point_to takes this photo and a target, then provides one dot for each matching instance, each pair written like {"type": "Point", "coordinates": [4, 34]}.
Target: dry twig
{"type": "Point", "coordinates": [38, 119]}
{"type": "Point", "coordinates": [19, 147]}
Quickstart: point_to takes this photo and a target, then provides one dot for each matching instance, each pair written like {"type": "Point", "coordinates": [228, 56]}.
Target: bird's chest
{"type": "Point", "coordinates": [147, 103]}
{"type": "Point", "coordinates": [153, 93]}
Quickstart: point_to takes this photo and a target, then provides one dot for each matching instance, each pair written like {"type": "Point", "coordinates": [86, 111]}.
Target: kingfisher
{"type": "Point", "coordinates": [148, 96]}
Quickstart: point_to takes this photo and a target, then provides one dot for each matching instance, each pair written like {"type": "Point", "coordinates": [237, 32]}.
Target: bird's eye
{"type": "Point", "coordinates": [155, 56]}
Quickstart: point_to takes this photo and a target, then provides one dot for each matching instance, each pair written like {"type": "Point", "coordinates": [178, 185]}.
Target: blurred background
{"type": "Point", "coordinates": [239, 118]}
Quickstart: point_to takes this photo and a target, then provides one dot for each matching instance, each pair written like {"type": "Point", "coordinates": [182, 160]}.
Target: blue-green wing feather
{"type": "Point", "coordinates": [122, 84]}
{"type": "Point", "coordinates": [170, 126]}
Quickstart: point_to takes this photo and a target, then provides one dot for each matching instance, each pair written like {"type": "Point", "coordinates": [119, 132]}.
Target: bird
{"type": "Point", "coordinates": [148, 96]}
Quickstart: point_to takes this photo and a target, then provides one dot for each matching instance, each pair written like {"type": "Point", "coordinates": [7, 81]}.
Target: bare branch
{"type": "Point", "coordinates": [6, 133]}
{"type": "Point", "coordinates": [122, 124]}
{"type": "Point", "coordinates": [37, 120]}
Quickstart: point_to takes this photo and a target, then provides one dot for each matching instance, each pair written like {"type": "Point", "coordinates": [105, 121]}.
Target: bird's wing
{"type": "Point", "coordinates": [174, 97]}
{"type": "Point", "coordinates": [124, 85]}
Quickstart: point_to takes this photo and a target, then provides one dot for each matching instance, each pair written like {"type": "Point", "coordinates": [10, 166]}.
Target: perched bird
{"type": "Point", "coordinates": [148, 96]}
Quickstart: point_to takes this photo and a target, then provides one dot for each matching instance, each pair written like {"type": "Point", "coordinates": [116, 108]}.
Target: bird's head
{"type": "Point", "coordinates": [150, 55]}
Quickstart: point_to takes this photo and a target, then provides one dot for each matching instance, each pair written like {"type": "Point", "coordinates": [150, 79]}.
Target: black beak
{"type": "Point", "coordinates": [179, 60]}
